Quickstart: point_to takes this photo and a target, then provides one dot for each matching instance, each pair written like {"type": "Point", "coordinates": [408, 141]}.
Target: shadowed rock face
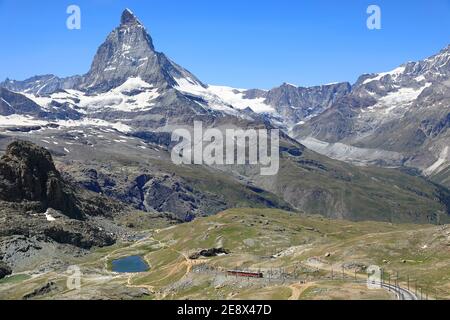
{"type": "Point", "coordinates": [4, 270]}
{"type": "Point", "coordinates": [27, 173]}
{"type": "Point", "coordinates": [128, 18]}
{"type": "Point", "coordinates": [12, 103]}
{"type": "Point", "coordinates": [42, 216]}
{"type": "Point", "coordinates": [297, 103]}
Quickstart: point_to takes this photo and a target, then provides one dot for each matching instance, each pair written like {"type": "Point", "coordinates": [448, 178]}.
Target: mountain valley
{"type": "Point", "coordinates": [86, 177]}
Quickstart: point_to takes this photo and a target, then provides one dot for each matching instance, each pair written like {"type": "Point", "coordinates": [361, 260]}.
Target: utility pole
{"type": "Point", "coordinates": [368, 278]}
{"type": "Point", "coordinates": [397, 280]}
{"type": "Point", "coordinates": [389, 281]}
{"type": "Point", "coordinates": [408, 281]}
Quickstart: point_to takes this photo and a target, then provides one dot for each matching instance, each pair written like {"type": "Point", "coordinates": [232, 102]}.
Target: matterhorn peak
{"type": "Point", "coordinates": [128, 18]}
{"type": "Point", "coordinates": [128, 52]}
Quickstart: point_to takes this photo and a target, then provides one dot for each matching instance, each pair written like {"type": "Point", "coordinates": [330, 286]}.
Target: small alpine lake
{"type": "Point", "coordinates": [130, 264]}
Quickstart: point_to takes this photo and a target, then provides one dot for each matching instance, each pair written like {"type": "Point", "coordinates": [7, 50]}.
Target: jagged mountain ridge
{"type": "Point", "coordinates": [134, 108]}
{"type": "Point", "coordinates": [15, 103]}
{"type": "Point", "coordinates": [128, 79]}
{"type": "Point", "coordinates": [129, 53]}
{"type": "Point", "coordinates": [393, 118]}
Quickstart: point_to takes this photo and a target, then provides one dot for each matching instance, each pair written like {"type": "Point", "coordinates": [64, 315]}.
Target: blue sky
{"type": "Point", "coordinates": [241, 43]}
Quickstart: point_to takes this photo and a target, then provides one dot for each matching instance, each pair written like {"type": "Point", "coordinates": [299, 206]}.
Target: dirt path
{"type": "Point", "coordinates": [298, 288]}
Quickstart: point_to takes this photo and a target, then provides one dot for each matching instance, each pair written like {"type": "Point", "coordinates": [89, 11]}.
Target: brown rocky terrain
{"type": "Point", "coordinates": [42, 214]}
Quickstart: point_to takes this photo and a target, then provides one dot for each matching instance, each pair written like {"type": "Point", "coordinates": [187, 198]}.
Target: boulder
{"type": "Point", "coordinates": [209, 253]}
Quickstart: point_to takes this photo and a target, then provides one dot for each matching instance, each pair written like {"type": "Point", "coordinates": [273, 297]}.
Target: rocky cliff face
{"type": "Point", "coordinates": [40, 213]}
{"type": "Point", "coordinates": [297, 103]}
{"type": "Point", "coordinates": [27, 173]}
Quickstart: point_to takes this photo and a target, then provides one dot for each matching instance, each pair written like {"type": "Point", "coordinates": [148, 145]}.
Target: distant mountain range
{"type": "Point", "coordinates": [401, 117]}
{"type": "Point", "coordinates": [121, 112]}
{"type": "Point", "coordinates": [128, 77]}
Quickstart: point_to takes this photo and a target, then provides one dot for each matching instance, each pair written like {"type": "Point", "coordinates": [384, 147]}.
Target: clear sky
{"type": "Point", "coordinates": [240, 43]}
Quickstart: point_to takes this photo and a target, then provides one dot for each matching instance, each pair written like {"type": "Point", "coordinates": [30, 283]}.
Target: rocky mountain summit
{"type": "Point", "coordinates": [127, 52]}
{"type": "Point", "coordinates": [129, 79]}
{"type": "Point", "coordinates": [129, 82]}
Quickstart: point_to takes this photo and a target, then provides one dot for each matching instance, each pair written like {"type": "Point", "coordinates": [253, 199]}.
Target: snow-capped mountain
{"type": "Point", "coordinates": [392, 118]}
{"type": "Point", "coordinates": [111, 127]}
{"type": "Point", "coordinates": [433, 69]}
{"type": "Point", "coordinates": [129, 79]}
{"type": "Point", "coordinates": [399, 117]}
{"type": "Point", "coordinates": [129, 52]}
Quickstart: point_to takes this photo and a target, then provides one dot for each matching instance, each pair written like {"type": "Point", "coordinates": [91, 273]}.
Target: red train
{"type": "Point", "coordinates": [246, 274]}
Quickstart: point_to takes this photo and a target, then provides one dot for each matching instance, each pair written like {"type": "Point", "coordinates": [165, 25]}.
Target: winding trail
{"type": "Point", "coordinates": [298, 289]}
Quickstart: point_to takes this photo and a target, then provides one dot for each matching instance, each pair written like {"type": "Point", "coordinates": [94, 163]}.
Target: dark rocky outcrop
{"type": "Point", "coordinates": [5, 270]}
{"type": "Point", "coordinates": [213, 252]}
{"type": "Point", "coordinates": [159, 138]}
{"type": "Point", "coordinates": [42, 214]}
{"type": "Point", "coordinates": [79, 235]}
{"type": "Point", "coordinates": [45, 289]}
{"type": "Point", "coordinates": [27, 173]}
